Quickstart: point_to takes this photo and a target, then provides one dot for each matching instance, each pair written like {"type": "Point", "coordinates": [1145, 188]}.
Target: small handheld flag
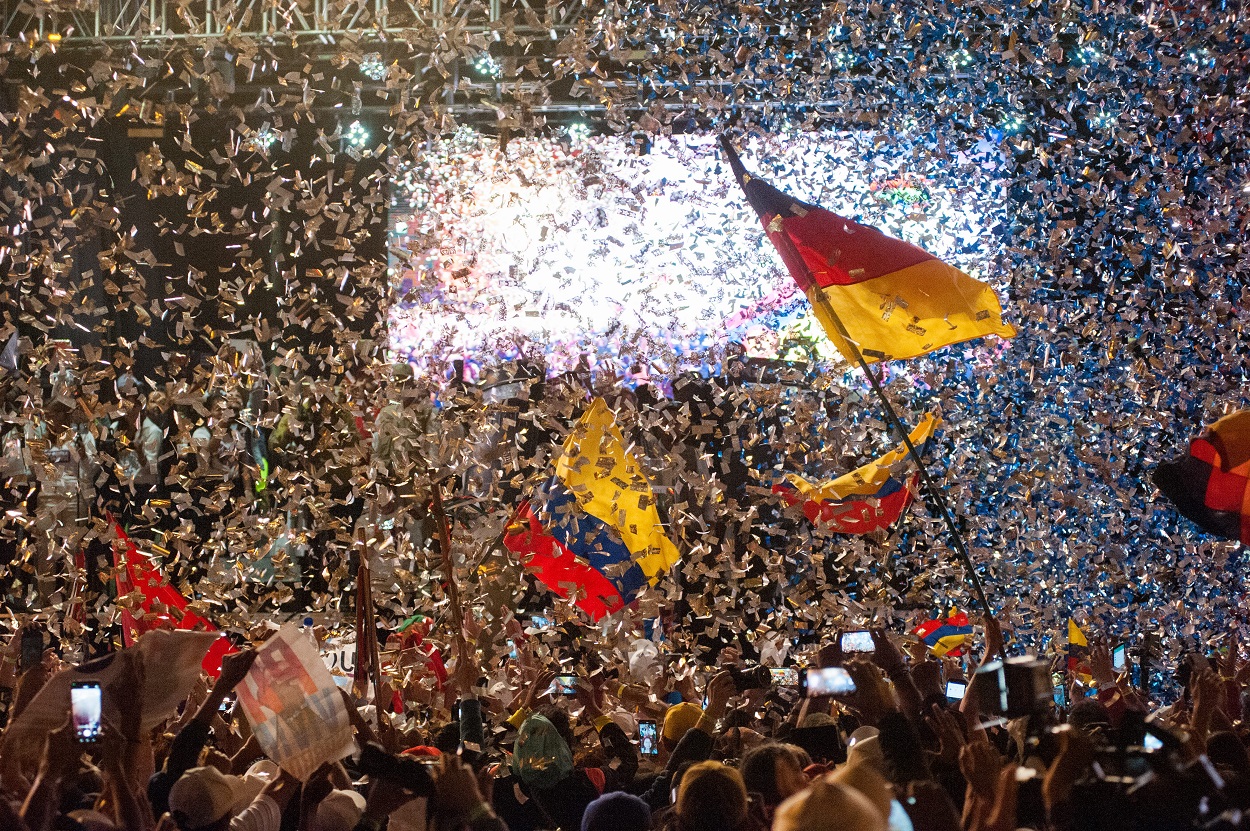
{"type": "Point", "coordinates": [946, 637]}
{"type": "Point", "coordinates": [1078, 653]}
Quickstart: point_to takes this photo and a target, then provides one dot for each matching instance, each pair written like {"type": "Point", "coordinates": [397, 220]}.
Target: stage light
{"type": "Point", "coordinates": [263, 139]}
{"type": "Point", "coordinates": [1011, 123]}
{"type": "Point", "coordinates": [1200, 57]}
{"type": "Point", "coordinates": [356, 135]}
{"type": "Point", "coordinates": [844, 59]}
{"type": "Point", "coordinates": [1102, 120]}
{"type": "Point", "coordinates": [486, 65]}
{"type": "Point", "coordinates": [1087, 55]}
{"type": "Point", "coordinates": [578, 132]}
{"type": "Point", "coordinates": [960, 59]}
{"type": "Point", "coordinates": [372, 67]}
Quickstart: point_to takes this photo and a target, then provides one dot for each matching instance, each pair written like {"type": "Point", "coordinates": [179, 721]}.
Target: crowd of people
{"type": "Point", "coordinates": [728, 747]}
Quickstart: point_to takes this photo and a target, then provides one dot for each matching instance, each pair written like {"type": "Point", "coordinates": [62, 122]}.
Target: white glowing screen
{"type": "Point", "coordinates": [653, 260]}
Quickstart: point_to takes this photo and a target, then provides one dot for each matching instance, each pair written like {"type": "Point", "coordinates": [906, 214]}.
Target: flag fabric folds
{"type": "Point", "coordinates": [867, 499]}
{"type": "Point", "coordinates": [593, 532]}
{"type": "Point", "coordinates": [947, 636]}
{"type": "Point", "coordinates": [1211, 485]}
{"type": "Point", "coordinates": [855, 515]}
{"type": "Point", "coordinates": [1078, 653]}
{"type": "Point", "coordinates": [894, 299]}
{"type": "Point", "coordinates": [136, 573]}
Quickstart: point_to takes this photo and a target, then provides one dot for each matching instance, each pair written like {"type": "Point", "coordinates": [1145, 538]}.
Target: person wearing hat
{"type": "Point", "coordinates": [617, 811]}
{"type": "Point", "coordinates": [205, 799]}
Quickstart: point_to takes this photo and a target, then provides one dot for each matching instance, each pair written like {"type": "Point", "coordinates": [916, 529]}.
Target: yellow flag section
{"type": "Point", "coordinates": [868, 479]}
{"type": "Point", "coordinates": [608, 483]}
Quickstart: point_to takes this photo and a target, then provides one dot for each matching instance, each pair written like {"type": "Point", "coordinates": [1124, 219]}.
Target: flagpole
{"type": "Point", "coordinates": [891, 416]}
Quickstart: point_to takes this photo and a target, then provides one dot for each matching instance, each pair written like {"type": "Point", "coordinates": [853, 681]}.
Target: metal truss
{"type": "Point", "coordinates": [150, 22]}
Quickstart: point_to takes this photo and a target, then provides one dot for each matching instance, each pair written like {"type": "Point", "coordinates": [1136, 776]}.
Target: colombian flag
{"type": "Point", "coordinates": [945, 637]}
{"type": "Point", "coordinates": [592, 532]}
{"type": "Point", "coordinates": [895, 300]}
{"type": "Point", "coordinates": [1211, 485]}
{"type": "Point", "coordinates": [867, 499]}
{"type": "Point", "coordinates": [1078, 653]}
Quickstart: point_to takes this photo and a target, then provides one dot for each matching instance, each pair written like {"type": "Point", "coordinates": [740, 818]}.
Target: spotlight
{"type": "Point", "coordinates": [486, 65]}
{"type": "Point", "coordinates": [960, 59]}
{"type": "Point", "coordinates": [1102, 120]}
{"type": "Point", "coordinates": [356, 135]}
{"type": "Point", "coordinates": [262, 139]}
{"type": "Point", "coordinates": [1011, 124]}
{"type": "Point", "coordinates": [1200, 57]}
{"type": "Point", "coordinates": [578, 132]}
{"type": "Point", "coordinates": [1087, 55]}
{"type": "Point", "coordinates": [371, 66]}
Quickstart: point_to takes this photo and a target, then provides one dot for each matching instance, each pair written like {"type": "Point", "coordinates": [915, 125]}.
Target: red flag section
{"type": "Point", "coordinates": [135, 572]}
{"type": "Point", "coordinates": [856, 515]}
{"type": "Point", "coordinates": [559, 568]}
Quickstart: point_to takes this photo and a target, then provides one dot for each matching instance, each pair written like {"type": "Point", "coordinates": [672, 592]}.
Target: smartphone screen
{"type": "Point", "coordinates": [785, 677]}
{"type": "Point", "coordinates": [1060, 695]}
{"type": "Point", "coordinates": [648, 738]}
{"type": "Point", "coordinates": [540, 622]}
{"type": "Point", "coordinates": [1151, 742]}
{"type": "Point", "coordinates": [955, 690]}
{"type": "Point", "coordinates": [32, 649]}
{"type": "Point", "coordinates": [85, 705]}
{"type": "Point", "coordinates": [860, 641]}
{"type": "Point", "coordinates": [829, 681]}
{"type": "Point", "coordinates": [1119, 657]}
{"type": "Point", "coordinates": [227, 706]}
{"type": "Point", "coordinates": [564, 685]}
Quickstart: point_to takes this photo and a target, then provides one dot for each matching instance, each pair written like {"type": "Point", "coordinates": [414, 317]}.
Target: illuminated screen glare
{"type": "Point", "coordinates": [652, 261]}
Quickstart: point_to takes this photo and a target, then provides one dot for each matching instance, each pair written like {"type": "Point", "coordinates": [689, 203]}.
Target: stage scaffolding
{"type": "Point", "coordinates": [80, 23]}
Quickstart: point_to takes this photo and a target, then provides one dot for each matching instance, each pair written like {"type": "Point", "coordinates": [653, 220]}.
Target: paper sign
{"type": "Point", "coordinates": [171, 665]}
{"type": "Point", "coordinates": [294, 706]}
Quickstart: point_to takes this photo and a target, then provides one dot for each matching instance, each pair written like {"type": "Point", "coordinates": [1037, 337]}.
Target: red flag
{"type": "Point", "coordinates": [135, 572]}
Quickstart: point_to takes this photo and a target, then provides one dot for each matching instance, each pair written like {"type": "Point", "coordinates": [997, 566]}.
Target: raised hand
{"type": "Point", "coordinates": [1100, 663]}
{"type": "Point", "coordinates": [981, 763]}
{"type": "Point", "coordinates": [950, 738]}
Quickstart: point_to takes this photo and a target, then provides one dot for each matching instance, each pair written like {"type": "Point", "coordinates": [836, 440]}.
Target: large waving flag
{"type": "Point", "coordinates": [894, 299]}
{"type": "Point", "coordinates": [137, 573]}
{"type": "Point", "coordinates": [593, 532]}
{"type": "Point", "coordinates": [1211, 485]}
{"type": "Point", "coordinates": [868, 499]}
{"type": "Point", "coordinates": [946, 636]}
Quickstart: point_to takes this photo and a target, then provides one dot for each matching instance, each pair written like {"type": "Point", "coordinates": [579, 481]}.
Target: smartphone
{"type": "Point", "coordinates": [85, 705]}
{"type": "Point", "coordinates": [829, 681]}
{"type": "Point", "coordinates": [955, 690]}
{"type": "Point", "coordinates": [540, 622]}
{"type": "Point", "coordinates": [564, 685]}
{"type": "Point", "coordinates": [1061, 695]}
{"type": "Point", "coordinates": [32, 648]}
{"type": "Point", "coordinates": [648, 738]}
{"type": "Point", "coordinates": [227, 706]}
{"type": "Point", "coordinates": [785, 677]}
{"type": "Point", "coordinates": [1119, 657]}
{"type": "Point", "coordinates": [858, 641]}
{"type": "Point", "coordinates": [1151, 742]}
